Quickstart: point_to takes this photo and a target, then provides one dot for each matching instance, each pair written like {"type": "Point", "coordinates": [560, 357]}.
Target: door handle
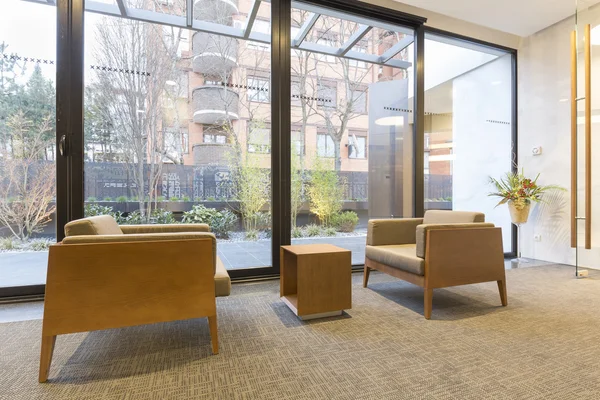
{"type": "Point", "coordinates": [62, 146]}
{"type": "Point", "coordinates": [574, 139]}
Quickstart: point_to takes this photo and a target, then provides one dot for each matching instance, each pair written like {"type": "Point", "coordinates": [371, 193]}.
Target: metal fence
{"type": "Point", "coordinates": [113, 180]}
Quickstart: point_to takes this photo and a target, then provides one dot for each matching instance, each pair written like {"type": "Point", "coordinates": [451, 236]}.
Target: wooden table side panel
{"type": "Point", "coordinates": [324, 282]}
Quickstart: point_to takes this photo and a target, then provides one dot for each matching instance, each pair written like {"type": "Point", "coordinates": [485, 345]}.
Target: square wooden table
{"type": "Point", "coordinates": [316, 280]}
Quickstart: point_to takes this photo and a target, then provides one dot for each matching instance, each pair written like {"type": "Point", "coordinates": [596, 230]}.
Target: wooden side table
{"type": "Point", "coordinates": [316, 280]}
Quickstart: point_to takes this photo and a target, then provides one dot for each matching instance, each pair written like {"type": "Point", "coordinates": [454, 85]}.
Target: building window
{"type": "Point", "coordinates": [327, 94]}
{"type": "Point", "coordinates": [357, 146]}
{"type": "Point", "coordinates": [325, 145]}
{"type": "Point", "coordinates": [358, 97]}
{"type": "Point", "coordinates": [215, 138]}
{"type": "Point", "coordinates": [258, 89]}
{"type": "Point", "coordinates": [260, 26]}
{"type": "Point", "coordinates": [360, 48]}
{"type": "Point", "coordinates": [297, 142]}
{"type": "Point", "coordinates": [296, 92]}
{"type": "Point", "coordinates": [175, 143]}
{"type": "Point", "coordinates": [330, 40]}
{"type": "Point", "coordinates": [259, 140]}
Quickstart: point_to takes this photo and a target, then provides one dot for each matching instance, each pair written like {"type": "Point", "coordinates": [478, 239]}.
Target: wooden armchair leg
{"type": "Point", "coordinates": [428, 302]}
{"type": "Point", "coordinates": [366, 276]}
{"type": "Point", "coordinates": [214, 336]}
{"type": "Point", "coordinates": [502, 290]}
{"type": "Point", "coordinates": [46, 356]}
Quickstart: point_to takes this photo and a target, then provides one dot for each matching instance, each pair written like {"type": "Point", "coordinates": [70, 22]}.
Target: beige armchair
{"type": "Point", "coordinates": [445, 248]}
{"type": "Point", "coordinates": [103, 276]}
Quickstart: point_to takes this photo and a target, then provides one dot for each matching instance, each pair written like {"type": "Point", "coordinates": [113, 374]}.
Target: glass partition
{"type": "Point", "coordinates": [468, 127]}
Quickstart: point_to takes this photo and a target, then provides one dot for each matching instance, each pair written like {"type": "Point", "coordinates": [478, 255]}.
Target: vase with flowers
{"type": "Point", "coordinates": [519, 192]}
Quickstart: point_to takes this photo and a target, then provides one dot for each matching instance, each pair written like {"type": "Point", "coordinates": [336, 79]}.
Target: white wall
{"type": "Point", "coordinates": [482, 148]}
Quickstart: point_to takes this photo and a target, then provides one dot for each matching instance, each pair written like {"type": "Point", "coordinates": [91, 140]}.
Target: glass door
{"type": "Point", "coordinates": [585, 170]}
{"type": "Point", "coordinates": [352, 125]}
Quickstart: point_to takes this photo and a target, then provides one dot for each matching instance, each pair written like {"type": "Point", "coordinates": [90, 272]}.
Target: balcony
{"type": "Point", "coordinates": [213, 54]}
{"type": "Point", "coordinates": [217, 11]}
{"type": "Point", "coordinates": [211, 154]}
{"type": "Point", "coordinates": [215, 104]}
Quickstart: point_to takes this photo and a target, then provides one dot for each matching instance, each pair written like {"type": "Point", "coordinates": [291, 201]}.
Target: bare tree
{"type": "Point", "coordinates": [136, 60]}
{"type": "Point", "coordinates": [26, 182]}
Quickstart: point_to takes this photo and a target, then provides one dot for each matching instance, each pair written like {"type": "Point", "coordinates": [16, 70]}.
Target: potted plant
{"type": "Point", "coordinates": [518, 191]}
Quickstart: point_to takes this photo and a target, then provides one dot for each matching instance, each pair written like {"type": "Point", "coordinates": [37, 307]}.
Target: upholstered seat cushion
{"type": "Point", "coordinates": [99, 225]}
{"type": "Point", "coordinates": [452, 217]}
{"type": "Point", "coordinates": [222, 280]}
{"type": "Point", "coordinates": [402, 256]}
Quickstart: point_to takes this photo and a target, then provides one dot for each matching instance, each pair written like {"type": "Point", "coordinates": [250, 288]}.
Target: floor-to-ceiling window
{"type": "Point", "coordinates": [352, 126]}
{"type": "Point", "coordinates": [468, 126]}
{"type": "Point", "coordinates": [177, 124]}
{"type": "Point", "coordinates": [27, 151]}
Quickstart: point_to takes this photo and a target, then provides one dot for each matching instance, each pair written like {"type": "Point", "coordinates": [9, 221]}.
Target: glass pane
{"type": "Point", "coordinates": [468, 128]}
{"type": "Point", "coordinates": [178, 130]}
{"type": "Point", "coordinates": [27, 137]}
{"type": "Point", "coordinates": [352, 129]}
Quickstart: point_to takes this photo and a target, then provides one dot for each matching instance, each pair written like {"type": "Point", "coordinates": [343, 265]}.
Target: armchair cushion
{"type": "Point", "coordinates": [422, 233]}
{"type": "Point", "coordinates": [392, 231]}
{"type": "Point", "coordinates": [144, 237]}
{"type": "Point", "coordinates": [164, 228]}
{"type": "Point", "coordinates": [452, 217]}
{"type": "Point", "coordinates": [99, 225]}
{"type": "Point", "coordinates": [401, 256]}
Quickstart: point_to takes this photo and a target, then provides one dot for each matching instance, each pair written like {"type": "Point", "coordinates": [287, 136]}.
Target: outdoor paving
{"type": "Point", "coordinates": [29, 268]}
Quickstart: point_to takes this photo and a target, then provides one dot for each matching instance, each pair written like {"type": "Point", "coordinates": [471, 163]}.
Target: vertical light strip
{"type": "Point", "coordinates": [588, 138]}
{"type": "Point", "coordinates": [574, 139]}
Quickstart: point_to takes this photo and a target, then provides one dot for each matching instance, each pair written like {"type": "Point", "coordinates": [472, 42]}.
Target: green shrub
{"type": "Point", "coordinates": [297, 232]}
{"type": "Point", "coordinates": [160, 198]}
{"type": "Point", "coordinates": [220, 222]}
{"type": "Point", "coordinates": [134, 198]}
{"type": "Point", "coordinates": [325, 192]}
{"type": "Point", "coordinates": [159, 216]}
{"type": "Point", "coordinates": [91, 199]}
{"type": "Point", "coordinates": [9, 243]}
{"type": "Point", "coordinates": [174, 198]}
{"type": "Point", "coordinates": [40, 244]}
{"type": "Point", "coordinates": [185, 198]}
{"type": "Point", "coordinates": [133, 218]}
{"type": "Point", "coordinates": [312, 230]}
{"type": "Point", "coordinates": [252, 234]}
{"type": "Point", "coordinates": [107, 198]}
{"type": "Point", "coordinates": [92, 210]}
{"type": "Point", "coordinates": [330, 231]}
{"type": "Point", "coordinates": [262, 221]}
{"type": "Point", "coordinates": [121, 199]}
{"type": "Point", "coordinates": [345, 221]}
{"type": "Point", "coordinates": [211, 199]}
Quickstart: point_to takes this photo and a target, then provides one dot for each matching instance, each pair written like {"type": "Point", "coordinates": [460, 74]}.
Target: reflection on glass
{"type": "Point", "coordinates": [468, 135]}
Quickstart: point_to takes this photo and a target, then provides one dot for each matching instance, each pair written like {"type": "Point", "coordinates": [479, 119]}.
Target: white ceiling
{"type": "Point", "coordinates": [519, 17]}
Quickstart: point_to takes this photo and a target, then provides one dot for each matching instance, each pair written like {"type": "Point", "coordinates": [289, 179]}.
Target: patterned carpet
{"type": "Point", "coordinates": [544, 345]}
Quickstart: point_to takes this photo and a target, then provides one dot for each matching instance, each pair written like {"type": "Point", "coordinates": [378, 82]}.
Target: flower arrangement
{"type": "Point", "coordinates": [519, 190]}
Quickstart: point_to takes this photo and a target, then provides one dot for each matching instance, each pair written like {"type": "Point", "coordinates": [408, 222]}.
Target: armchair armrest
{"type": "Point", "coordinates": [157, 228]}
{"type": "Point", "coordinates": [392, 231]}
{"type": "Point", "coordinates": [421, 232]}
{"type": "Point", "coordinates": [145, 237]}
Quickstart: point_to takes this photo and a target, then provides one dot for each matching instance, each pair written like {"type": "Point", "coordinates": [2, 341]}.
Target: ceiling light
{"type": "Point", "coordinates": [563, 100]}
{"type": "Point", "coordinates": [171, 83]}
{"type": "Point", "coordinates": [390, 121]}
